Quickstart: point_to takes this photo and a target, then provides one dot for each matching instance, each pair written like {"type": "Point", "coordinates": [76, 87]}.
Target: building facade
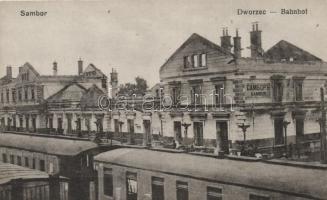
{"type": "Point", "coordinates": [52, 104]}
{"type": "Point", "coordinates": [225, 93]}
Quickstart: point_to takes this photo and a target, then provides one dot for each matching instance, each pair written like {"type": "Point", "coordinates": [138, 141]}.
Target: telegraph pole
{"type": "Point", "coordinates": [323, 156]}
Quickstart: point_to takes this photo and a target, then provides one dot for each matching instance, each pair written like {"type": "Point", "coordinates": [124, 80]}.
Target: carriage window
{"type": "Point", "coordinates": [19, 160]}
{"type": "Point", "coordinates": [157, 188]}
{"type": "Point", "coordinates": [42, 165]}
{"type": "Point", "coordinates": [33, 164]}
{"type": "Point", "coordinates": [131, 182]}
{"type": "Point", "coordinates": [214, 193]}
{"type": "Point", "coordinates": [181, 190]}
{"type": "Point", "coordinates": [27, 164]}
{"type": "Point", "coordinates": [108, 182]}
{"type": "Point", "coordinates": [12, 159]}
{"type": "Point", "coordinates": [4, 157]}
{"type": "Point", "coordinates": [258, 197]}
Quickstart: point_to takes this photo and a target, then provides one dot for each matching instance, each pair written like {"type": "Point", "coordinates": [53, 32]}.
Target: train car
{"type": "Point", "coordinates": [139, 174]}
{"type": "Point", "coordinates": [71, 158]}
{"type": "Point", "coordinates": [21, 183]}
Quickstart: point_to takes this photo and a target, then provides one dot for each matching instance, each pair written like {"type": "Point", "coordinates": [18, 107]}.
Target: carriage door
{"type": "Point", "coordinates": [222, 136]}
{"type": "Point", "coordinates": [178, 131]}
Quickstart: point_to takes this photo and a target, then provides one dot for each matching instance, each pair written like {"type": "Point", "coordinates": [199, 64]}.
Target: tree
{"type": "Point", "coordinates": [138, 89]}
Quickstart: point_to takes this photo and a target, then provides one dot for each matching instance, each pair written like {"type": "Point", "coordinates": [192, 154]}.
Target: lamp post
{"type": "Point", "coordinates": [285, 124]}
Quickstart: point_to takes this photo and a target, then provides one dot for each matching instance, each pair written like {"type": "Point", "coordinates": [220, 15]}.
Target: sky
{"type": "Point", "coordinates": [137, 37]}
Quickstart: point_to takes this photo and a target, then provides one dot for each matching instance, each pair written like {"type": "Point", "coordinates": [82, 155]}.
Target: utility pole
{"type": "Point", "coordinates": [323, 157]}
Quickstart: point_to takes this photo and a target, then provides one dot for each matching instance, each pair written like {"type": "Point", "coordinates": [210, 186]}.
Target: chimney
{"type": "Point", "coordinates": [55, 68]}
{"type": "Point", "coordinates": [255, 38]}
{"type": "Point", "coordinates": [80, 66]}
{"type": "Point", "coordinates": [225, 40]}
{"type": "Point", "coordinates": [114, 82]}
{"type": "Point", "coordinates": [9, 72]}
{"type": "Point", "coordinates": [237, 46]}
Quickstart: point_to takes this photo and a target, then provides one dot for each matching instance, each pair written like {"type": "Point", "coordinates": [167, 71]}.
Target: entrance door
{"type": "Point", "coordinates": [198, 133]}
{"type": "Point", "coordinates": [222, 136]}
{"type": "Point", "coordinates": [130, 126]}
{"type": "Point", "coordinates": [299, 130]}
{"type": "Point", "coordinates": [279, 133]}
{"type": "Point", "coordinates": [178, 131]}
{"type": "Point", "coordinates": [147, 132]}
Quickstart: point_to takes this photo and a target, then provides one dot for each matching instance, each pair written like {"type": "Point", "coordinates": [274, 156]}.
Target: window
{"type": "Point", "coordinates": [298, 85]}
{"type": "Point", "coordinates": [50, 168]}
{"type": "Point", "coordinates": [33, 163]}
{"type": "Point", "coordinates": [4, 158]}
{"type": "Point", "coordinates": [7, 95]}
{"type": "Point", "coordinates": [19, 94]}
{"type": "Point", "coordinates": [19, 160]}
{"type": "Point", "coordinates": [27, 163]}
{"type": "Point", "coordinates": [12, 159]}
{"type": "Point", "coordinates": [175, 93]}
{"type": "Point", "coordinates": [196, 95]}
{"type": "Point", "coordinates": [13, 95]}
{"type": "Point", "coordinates": [195, 60]}
{"type": "Point", "coordinates": [108, 187]}
{"type": "Point", "coordinates": [187, 62]}
{"type": "Point", "coordinates": [258, 197]}
{"type": "Point", "coordinates": [42, 165]}
{"type": "Point", "coordinates": [131, 182]}
{"type": "Point", "coordinates": [219, 94]}
{"type": "Point", "coordinates": [1, 97]}
{"type": "Point", "coordinates": [214, 193]}
{"type": "Point", "coordinates": [32, 94]}
{"type": "Point", "coordinates": [203, 59]}
{"type": "Point", "coordinates": [278, 90]}
{"type": "Point", "coordinates": [181, 190]}
{"type": "Point", "coordinates": [26, 93]}
{"type": "Point", "coordinates": [157, 188]}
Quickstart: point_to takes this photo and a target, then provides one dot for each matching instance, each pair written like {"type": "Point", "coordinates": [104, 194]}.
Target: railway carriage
{"type": "Point", "coordinates": [131, 174]}
{"type": "Point", "coordinates": [21, 183]}
{"type": "Point", "coordinates": [68, 157]}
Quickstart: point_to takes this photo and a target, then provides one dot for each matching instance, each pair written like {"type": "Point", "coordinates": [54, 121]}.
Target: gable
{"type": "Point", "coordinates": [285, 51]}
{"type": "Point", "coordinates": [72, 92]}
{"type": "Point", "coordinates": [27, 73]}
{"type": "Point", "coordinates": [91, 96]}
{"type": "Point", "coordinates": [194, 45]}
{"type": "Point", "coordinates": [92, 71]}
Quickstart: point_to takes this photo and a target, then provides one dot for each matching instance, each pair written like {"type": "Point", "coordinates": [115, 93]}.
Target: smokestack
{"type": "Point", "coordinates": [80, 66]}
{"type": "Point", "coordinates": [225, 40]}
{"type": "Point", "coordinates": [9, 72]}
{"type": "Point", "coordinates": [237, 45]}
{"type": "Point", "coordinates": [55, 68]}
{"type": "Point", "coordinates": [255, 37]}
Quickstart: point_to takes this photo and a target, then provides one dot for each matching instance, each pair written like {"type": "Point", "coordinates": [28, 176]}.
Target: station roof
{"type": "Point", "coordinates": [9, 172]}
{"type": "Point", "coordinates": [49, 145]}
{"type": "Point", "coordinates": [286, 179]}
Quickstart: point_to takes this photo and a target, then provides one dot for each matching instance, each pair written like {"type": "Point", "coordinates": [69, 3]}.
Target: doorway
{"type": "Point", "coordinates": [198, 133]}
{"type": "Point", "coordinates": [178, 131]}
{"type": "Point", "coordinates": [279, 133]}
{"type": "Point", "coordinates": [222, 136]}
